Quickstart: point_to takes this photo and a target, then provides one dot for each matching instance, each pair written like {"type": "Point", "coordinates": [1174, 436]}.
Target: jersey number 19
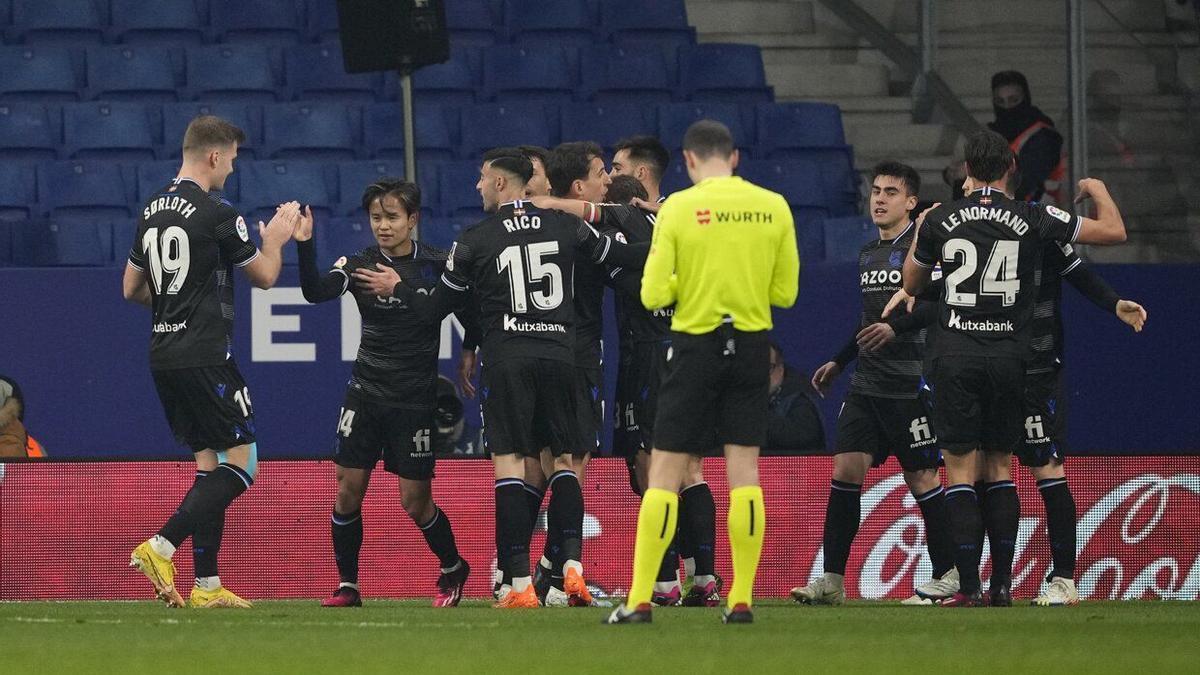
{"type": "Point", "coordinates": [168, 255]}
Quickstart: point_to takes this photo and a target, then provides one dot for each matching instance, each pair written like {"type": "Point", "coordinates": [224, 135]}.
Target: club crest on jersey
{"type": "Point", "coordinates": [341, 262]}
{"type": "Point", "coordinates": [241, 229]}
{"type": "Point", "coordinates": [896, 259]}
{"type": "Point", "coordinates": [703, 216]}
{"type": "Point", "coordinates": [1058, 213]}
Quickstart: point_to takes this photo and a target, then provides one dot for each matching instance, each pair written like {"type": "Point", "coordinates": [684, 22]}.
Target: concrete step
{"type": "Point", "coordinates": [1039, 16]}
{"type": "Point", "coordinates": [900, 139]}
{"type": "Point", "coordinates": [724, 17]}
{"type": "Point", "coordinates": [826, 81]}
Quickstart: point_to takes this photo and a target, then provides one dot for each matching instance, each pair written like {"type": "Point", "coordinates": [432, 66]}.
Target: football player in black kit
{"type": "Point", "coordinates": [181, 264]}
{"type": "Point", "coordinates": [886, 412]}
{"type": "Point", "coordinates": [390, 401]}
{"type": "Point", "coordinates": [990, 249]}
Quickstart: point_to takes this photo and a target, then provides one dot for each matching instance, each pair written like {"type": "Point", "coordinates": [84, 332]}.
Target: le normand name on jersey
{"type": "Point", "coordinates": [976, 213]}
{"type": "Point", "coordinates": [171, 203]}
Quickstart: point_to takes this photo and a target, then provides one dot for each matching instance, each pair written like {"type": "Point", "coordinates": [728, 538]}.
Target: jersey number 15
{"type": "Point", "coordinates": [524, 265]}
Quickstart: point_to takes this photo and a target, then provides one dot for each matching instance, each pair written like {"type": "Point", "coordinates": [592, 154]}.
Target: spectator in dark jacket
{"type": "Point", "coordinates": [795, 422]}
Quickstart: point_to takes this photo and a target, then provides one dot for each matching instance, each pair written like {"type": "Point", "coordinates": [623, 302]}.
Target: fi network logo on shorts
{"type": "Point", "coordinates": [986, 326]}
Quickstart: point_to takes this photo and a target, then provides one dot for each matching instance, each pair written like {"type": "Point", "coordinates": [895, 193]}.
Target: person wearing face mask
{"type": "Point", "coordinates": [1041, 162]}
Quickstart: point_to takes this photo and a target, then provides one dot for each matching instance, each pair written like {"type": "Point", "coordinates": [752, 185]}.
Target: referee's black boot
{"type": "Point", "coordinates": [622, 615]}
{"type": "Point", "coordinates": [739, 614]}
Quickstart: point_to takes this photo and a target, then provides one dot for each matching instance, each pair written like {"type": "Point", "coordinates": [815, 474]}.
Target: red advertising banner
{"type": "Point", "coordinates": [66, 529]}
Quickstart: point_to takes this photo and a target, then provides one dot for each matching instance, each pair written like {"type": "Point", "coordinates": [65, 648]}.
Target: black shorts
{"type": "Point", "coordinates": [885, 426]}
{"type": "Point", "coordinates": [528, 404]}
{"type": "Point", "coordinates": [1045, 420]}
{"type": "Point", "coordinates": [711, 395]}
{"type": "Point", "coordinates": [589, 409]}
{"type": "Point", "coordinates": [208, 407]}
{"type": "Point", "coordinates": [978, 402]}
{"type": "Point", "coordinates": [637, 398]}
{"type": "Point", "coordinates": [403, 436]}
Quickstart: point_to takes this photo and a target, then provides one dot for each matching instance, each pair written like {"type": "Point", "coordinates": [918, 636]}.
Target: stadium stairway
{"type": "Point", "coordinates": [1142, 56]}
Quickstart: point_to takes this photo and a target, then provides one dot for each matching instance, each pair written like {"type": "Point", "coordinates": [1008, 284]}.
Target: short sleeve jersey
{"type": "Point", "coordinates": [1058, 260]}
{"type": "Point", "coordinates": [188, 242]}
{"type": "Point", "coordinates": [990, 248]}
{"type": "Point", "coordinates": [397, 357]}
{"type": "Point", "coordinates": [519, 264]}
{"type": "Point", "coordinates": [636, 226]}
{"type": "Point", "coordinates": [894, 371]}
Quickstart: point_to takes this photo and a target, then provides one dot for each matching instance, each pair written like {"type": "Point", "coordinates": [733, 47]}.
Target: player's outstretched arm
{"type": "Point", "coordinates": [263, 270]}
{"type": "Point", "coordinates": [1108, 227]}
{"type": "Point", "coordinates": [135, 287]}
{"type": "Point", "coordinates": [1093, 287]}
{"type": "Point", "coordinates": [316, 288]}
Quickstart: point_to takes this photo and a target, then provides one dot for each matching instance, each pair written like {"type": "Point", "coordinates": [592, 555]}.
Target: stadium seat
{"type": "Point", "coordinates": [244, 73]}
{"type": "Point", "coordinates": [29, 131]}
{"type": "Point", "coordinates": [321, 19]}
{"type": "Point", "coordinates": [801, 184]}
{"type": "Point", "coordinates": [154, 176]}
{"type": "Point", "coordinates": [514, 73]}
{"type": "Point", "coordinates": [788, 126]}
{"type": "Point", "coordinates": [619, 75]}
{"type": "Point", "coordinates": [489, 126]}
{"type": "Point", "coordinates": [439, 233]}
{"type": "Point", "coordinates": [562, 22]}
{"type": "Point", "coordinates": [317, 72]}
{"type": "Point", "coordinates": [450, 83]}
{"type": "Point", "coordinates": [637, 22]}
{"type": "Point", "coordinates": [723, 72]}
{"type": "Point", "coordinates": [845, 237]}
{"type": "Point", "coordinates": [65, 243]}
{"type": "Point", "coordinates": [141, 73]}
{"type": "Point", "coordinates": [110, 131]}
{"type": "Point", "coordinates": [314, 131]}
{"type": "Point", "coordinates": [266, 184]}
{"type": "Point", "coordinates": [606, 124]}
{"type": "Point", "coordinates": [675, 118]}
{"type": "Point", "coordinates": [177, 116]}
{"type": "Point", "coordinates": [260, 21]}
{"type": "Point", "coordinates": [460, 199]}
{"type": "Point", "coordinates": [67, 22]}
{"type": "Point", "coordinates": [341, 236]}
{"type": "Point", "coordinates": [354, 177]}
{"type": "Point", "coordinates": [676, 177]}
{"type": "Point", "coordinates": [173, 22]}
{"type": "Point", "coordinates": [40, 73]}
{"type": "Point", "coordinates": [85, 191]}
{"type": "Point", "coordinates": [436, 131]}
{"type": "Point", "coordinates": [6, 229]}
{"type": "Point", "coordinates": [471, 23]}
{"type": "Point", "coordinates": [18, 191]}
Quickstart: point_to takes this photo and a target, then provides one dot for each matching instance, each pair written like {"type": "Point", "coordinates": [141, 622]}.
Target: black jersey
{"type": "Point", "coordinates": [634, 225]}
{"type": "Point", "coordinates": [589, 313]}
{"type": "Point", "coordinates": [188, 242]}
{"type": "Point", "coordinates": [1058, 260]}
{"type": "Point", "coordinates": [894, 371]}
{"type": "Point", "coordinates": [519, 264]}
{"type": "Point", "coordinates": [990, 248]}
{"type": "Point", "coordinates": [397, 357]}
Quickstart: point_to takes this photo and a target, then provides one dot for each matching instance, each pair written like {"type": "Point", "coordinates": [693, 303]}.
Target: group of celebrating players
{"type": "Point", "coordinates": [968, 366]}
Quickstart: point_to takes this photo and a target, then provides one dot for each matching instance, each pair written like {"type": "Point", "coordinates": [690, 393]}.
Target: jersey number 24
{"type": "Point", "coordinates": [999, 274]}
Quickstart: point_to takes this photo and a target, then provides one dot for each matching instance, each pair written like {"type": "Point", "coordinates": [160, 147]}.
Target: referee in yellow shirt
{"type": "Point", "coordinates": [724, 251]}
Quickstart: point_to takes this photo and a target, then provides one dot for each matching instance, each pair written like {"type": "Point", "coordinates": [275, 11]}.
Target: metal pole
{"type": "Point", "coordinates": [922, 98]}
{"type": "Point", "coordinates": [1077, 81]}
{"type": "Point", "coordinates": [410, 137]}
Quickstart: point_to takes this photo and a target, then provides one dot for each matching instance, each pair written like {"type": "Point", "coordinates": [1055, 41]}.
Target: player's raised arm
{"type": "Point", "coordinates": [263, 270]}
{"type": "Point", "coordinates": [316, 288]}
{"type": "Point", "coordinates": [1108, 227]}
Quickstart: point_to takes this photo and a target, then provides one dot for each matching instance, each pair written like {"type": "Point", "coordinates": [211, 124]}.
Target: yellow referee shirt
{"type": "Point", "coordinates": [724, 247]}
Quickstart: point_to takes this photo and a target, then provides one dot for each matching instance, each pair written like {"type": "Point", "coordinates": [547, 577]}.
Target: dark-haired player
{"type": "Point", "coordinates": [646, 159]}
{"type": "Point", "coordinates": [886, 412]}
{"type": "Point", "coordinates": [181, 265]}
{"type": "Point", "coordinates": [390, 401]}
{"type": "Point", "coordinates": [990, 249]}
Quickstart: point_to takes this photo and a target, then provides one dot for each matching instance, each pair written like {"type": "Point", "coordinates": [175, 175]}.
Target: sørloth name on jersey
{"type": "Point", "coordinates": [172, 203]}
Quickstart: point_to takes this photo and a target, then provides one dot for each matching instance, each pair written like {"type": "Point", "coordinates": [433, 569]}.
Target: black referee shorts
{"type": "Point", "coordinates": [208, 407]}
{"type": "Point", "coordinates": [1045, 420]}
{"type": "Point", "coordinates": [528, 404]}
{"type": "Point", "coordinates": [978, 402]}
{"type": "Point", "coordinates": [714, 391]}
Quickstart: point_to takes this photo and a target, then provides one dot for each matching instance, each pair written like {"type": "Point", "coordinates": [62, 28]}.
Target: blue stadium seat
{"type": "Point", "coordinates": [354, 177]}
{"type": "Point", "coordinates": [436, 130]}
{"type": "Point", "coordinates": [260, 21]}
{"type": "Point", "coordinates": [515, 73]}
{"type": "Point", "coordinates": [617, 75]}
{"type": "Point", "coordinates": [244, 73]}
{"type": "Point", "coordinates": [147, 74]}
{"type": "Point", "coordinates": [845, 237]}
{"type": "Point", "coordinates": [175, 23]}
{"type": "Point", "coordinates": [318, 73]}
{"type": "Point", "coordinates": [562, 22]}
{"type": "Point", "coordinates": [5, 243]}
{"type": "Point", "coordinates": [266, 184]}
{"type": "Point", "coordinates": [341, 236]}
{"type": "Point", "coordinates": [154, 176]}
{"type": "Point", "coordinates": [437, 232]}
{"type": "Point", "coordinates": [86, 191]}
{"type": "Point", "coordinates": [18, 191]}
{"type": "Point", "coordinates": [723, 72]}
{"type": "Point", "coordinates": [322, 21]}
{"type": "Point", "coordinates": [64, 243]}
{"type": "Point", "coordinates": [451, 83]}
{"type": "Point", "coordinates": [606, 124]}
{"type": "Point", "coordinates": [789, 126]}
{"type": "Point", "coordinates": [314, 131]}
{"type": "Point", "coordinates": [29, 131]}
{"type": "Point", "coordinates": [676, 178]}
{"type": "Point", "coordinates": [801, 184]}
{"type": "Point", "coordinates": [460, 199]}
{"type": "Point", "coordinates": [661, 22]}
{"type": "Point", "coordinates": [39, 73]}
{"type": "Point", "coordinates": [675, 118]}
{"type": "Point", "coordinates": [471, 23]}
{"type": "Point", "coordinates": [110, 131]}
{"type": "Point", "coordinates": [489, 126]}
{"type": "Point", "coordinates": [67, 22]}
{"type": "Point", "coordinates": [177, 116]}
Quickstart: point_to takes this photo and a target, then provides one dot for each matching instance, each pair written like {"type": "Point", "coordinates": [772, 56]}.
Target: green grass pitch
{"type": "Point", "coordinates": [401, 637]}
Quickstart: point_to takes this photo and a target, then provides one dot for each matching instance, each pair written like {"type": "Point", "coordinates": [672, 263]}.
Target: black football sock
{"type": "Point", "coordinates": [1002, 516]}
{"type": "Point", "coordinates": [347, 530]}
{"type": "Point", "coordinates": [668, 571]}
{"type": "Point", "coordinates": [1061, 522]}
{"type": "Point", "coordinates": [698, 512]}
{"type": "Point", "coordinates": [966, 526]}
{"type": "Point", "coordinates": [565, 516]}
{"type": "Point", "coordinates": [533, 496]}
{"type": "Point", "coordinates": [214, 494]}
{"type": "Point", "coordinates": [182, 523]}
{"type": "Point", "coordinates": [981, 499]}
{"type": "Point", "coordinates": [440, 537]}
{"type": "Point", "coordinates": [512, 527]}
{"type": "Point", "coordinates": [937, 531]}
{"type": "Point", "coordinates": [196, 562]}
{"type": "Point", "coordinates": [841, 524]}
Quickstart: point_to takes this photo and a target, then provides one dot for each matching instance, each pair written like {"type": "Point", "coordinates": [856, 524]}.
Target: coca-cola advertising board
{"type": "Point", "coordinates": [66, 529]}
